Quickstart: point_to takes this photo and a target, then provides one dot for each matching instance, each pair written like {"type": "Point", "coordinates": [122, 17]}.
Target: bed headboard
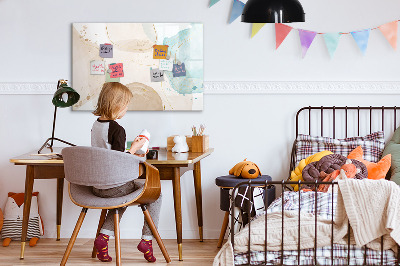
{"type": "Point", "coordinates": [344, 121]}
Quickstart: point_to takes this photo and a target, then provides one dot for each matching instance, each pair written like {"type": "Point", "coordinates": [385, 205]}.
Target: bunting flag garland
{"type": "Point", "coordinates": [213, 2]}
{"type": "Point", "coordinates": [237, 9]}
{"type": "Point", "coordinates": [256, 27]}
{"type": "Point", "coordinates": [306, 39]}
{"type": "Point", "coordinates": [332, 41]}
{"type": "Point", "coordinates": [389, 30]}
{"type": "Point", "coordinates": [361, 37]}
{"type": "Point", "coordinates": [281, 31]}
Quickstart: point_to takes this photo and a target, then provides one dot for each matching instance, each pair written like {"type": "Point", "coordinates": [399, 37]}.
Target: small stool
{"type": "Point", "coordinates": [226, 183]}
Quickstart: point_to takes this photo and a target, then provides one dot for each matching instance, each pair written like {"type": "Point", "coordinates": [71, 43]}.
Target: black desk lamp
{"type": "Point", "coordinates": [273, 11]}
{"type": "Point", "coordinates": [65, 96]}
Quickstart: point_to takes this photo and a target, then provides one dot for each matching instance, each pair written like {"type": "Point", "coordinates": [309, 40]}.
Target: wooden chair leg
{"type": "Point", "coordinates": [73, 237]}
{"type": "Point", "coordinates": [117, 238]}
{"type": "Point", "coordinates": [101, 222]}
{"type": "Point", "coordinates": [223, 229]}
{"type": "Point", "coordinates": [154, 230]}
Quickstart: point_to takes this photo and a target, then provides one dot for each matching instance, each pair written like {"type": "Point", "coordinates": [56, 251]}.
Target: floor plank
{"type": "Point", "coordinates": [50, 252]}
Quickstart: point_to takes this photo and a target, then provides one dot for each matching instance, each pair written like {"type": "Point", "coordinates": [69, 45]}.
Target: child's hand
{"type": "Point", "coordinates": [143, 155]}
{"type": "Point", "coordinates": [137, 144]}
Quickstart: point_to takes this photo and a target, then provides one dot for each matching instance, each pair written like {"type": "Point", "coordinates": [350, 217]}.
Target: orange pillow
{"type": "Point", "coordinates": [375, 170]}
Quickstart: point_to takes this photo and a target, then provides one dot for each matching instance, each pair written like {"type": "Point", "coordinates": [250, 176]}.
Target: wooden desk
{"type": "Point", "coordinates": [171, 167]}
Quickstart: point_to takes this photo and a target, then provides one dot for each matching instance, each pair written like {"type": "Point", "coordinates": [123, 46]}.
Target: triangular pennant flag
{"type": "Point", "coordinates": [332, 41]}
{"type": "Point", "coordinates": [237, 9]}
{"type": "Point", "coordinates": [306, 39]}
{"type": "Point", "coordinates": [390, 32]}
{"type": "Point", "coordinates": [213, 2]}
{"type": "Point", "coordinates": [256, 27]}
{"type": "Point", "coordinates": [361, 37]}
{"type": "Point", "coordinates": [281, 31]}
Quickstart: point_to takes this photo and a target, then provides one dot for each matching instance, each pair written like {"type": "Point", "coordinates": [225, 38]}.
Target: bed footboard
{"type": "Point", "coordinates": [312, 259]}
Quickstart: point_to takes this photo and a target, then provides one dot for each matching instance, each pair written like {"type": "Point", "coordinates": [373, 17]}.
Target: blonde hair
{"type": "Point", "coordinates": [113, 97]}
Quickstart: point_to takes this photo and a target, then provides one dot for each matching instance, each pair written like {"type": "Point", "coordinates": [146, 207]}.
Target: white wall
{"type": "Point", "coordinates": [35, 43]}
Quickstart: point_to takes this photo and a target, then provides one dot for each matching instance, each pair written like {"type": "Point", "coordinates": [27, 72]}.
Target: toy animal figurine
{"type": "Point", "coordinates": [246, 169]}
{"type": "Point", "coordinates": [13, 214]}
{"type": "Point", "coordinates": [180, 144]}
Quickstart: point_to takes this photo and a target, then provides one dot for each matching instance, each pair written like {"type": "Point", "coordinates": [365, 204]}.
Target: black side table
{"type": "Point", "coordinates": [226, 183]}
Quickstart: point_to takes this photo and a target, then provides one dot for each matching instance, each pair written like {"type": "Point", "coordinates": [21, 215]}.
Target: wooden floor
{"type": "Point", "coordinates": [50, 252]}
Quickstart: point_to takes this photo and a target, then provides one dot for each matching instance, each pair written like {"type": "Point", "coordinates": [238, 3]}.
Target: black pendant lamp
{"type": "Point", "coordinates": [273, 11]}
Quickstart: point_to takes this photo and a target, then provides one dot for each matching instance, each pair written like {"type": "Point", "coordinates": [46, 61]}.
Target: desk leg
{"type": "Point", "coordinates": [199, 204]}
{"type": "Point", "coordinates": [176, 182]}
{"type": "Point", "coordinates": [27, 206]}
{"type": "Point", "coordinates": [60, 190]}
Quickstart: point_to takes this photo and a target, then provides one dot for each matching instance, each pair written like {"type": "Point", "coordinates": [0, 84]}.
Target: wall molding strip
{"type": "Point", "coordinates": [244, 87]}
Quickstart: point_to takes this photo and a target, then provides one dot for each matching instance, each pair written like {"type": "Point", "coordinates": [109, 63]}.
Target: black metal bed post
{"type": "Point", "coordinates": [333, 192]}
{"type": "Point", "coordinates": [358, 120]}
{"type": "Point", "coordinates": [266, 221]}
{"type": "Point", "coordinates": [370, 120]}
{"type": "Point", "coordinates": [334, 120]}
{"type": "Point", "coordinates": [309, 120]}
{"type": "Point", "coordinates": [283, 211]}
{"type": "Point", "coordinates": [348, 242]}
{"type": "Point", "coordinates": [292, 158]}
{"type": "Point", "coordinates": [298, 238]}
{"type": "Point", "coordinates": [233, 218]}
{"type": "Point", "coordinates": [381, 250]}
{"type": "Point", "coordinates": [249, 220]}
{"type": "Point", "coordinates": [398, 255]}
{"type": "Point", "coordinates": [315, 222]}
{"type": "Point", "coordinates": [365, 254]}
{"type": "Point", "coordinates": [383, 118]}
{"type": "Point", "coordinates": [322, 121]}
{"type": "Point", "coordinates": [345, 112]}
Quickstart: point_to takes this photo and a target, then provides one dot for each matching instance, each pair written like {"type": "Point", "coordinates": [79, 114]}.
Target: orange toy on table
{"type": "Point", "coordinates": [245, 169]}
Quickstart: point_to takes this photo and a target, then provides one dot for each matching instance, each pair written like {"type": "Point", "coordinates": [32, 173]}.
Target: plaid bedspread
{"type": "Point", "coordinates": [324, 257]}
{"type": "Point", "coordinates": [307, 202]}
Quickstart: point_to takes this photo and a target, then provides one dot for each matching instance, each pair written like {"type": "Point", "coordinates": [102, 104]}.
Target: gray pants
{"type": "Point", "coordinates": [154, 208]}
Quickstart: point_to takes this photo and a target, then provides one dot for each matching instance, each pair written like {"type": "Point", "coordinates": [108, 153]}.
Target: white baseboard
{"type": "Point", "coordinates": [250, 87]}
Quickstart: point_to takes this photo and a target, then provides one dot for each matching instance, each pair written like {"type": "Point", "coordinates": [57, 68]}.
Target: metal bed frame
{"type": "Point", "coordinates": [283, 184]}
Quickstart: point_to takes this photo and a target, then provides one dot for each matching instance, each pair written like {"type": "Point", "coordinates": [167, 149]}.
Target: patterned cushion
{"type": "Point", "coordinates": [372, 144]}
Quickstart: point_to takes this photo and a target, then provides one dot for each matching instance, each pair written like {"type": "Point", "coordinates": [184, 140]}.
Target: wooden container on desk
{"type": "Point", "coordinates": [171, 143]}
{"type": "Point", "coordinates": [200, 143]}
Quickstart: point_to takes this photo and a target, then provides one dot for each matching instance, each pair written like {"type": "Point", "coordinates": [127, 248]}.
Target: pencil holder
{"type": "Point", "coordinates": [200, 143]}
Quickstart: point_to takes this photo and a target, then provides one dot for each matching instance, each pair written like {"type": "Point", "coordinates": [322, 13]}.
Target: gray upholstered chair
{"type": "Point", "coordinates": [85, 167]}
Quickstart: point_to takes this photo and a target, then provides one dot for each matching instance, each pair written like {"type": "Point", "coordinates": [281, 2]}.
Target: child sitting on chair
{"type": "Point", "coordinates": [107, 133]}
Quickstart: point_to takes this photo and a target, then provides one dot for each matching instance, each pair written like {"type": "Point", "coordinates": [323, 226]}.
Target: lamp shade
{"type": "Point", "coordinates": [273, 11]}
{"type": "Point", "coordinates": [65, 96]}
